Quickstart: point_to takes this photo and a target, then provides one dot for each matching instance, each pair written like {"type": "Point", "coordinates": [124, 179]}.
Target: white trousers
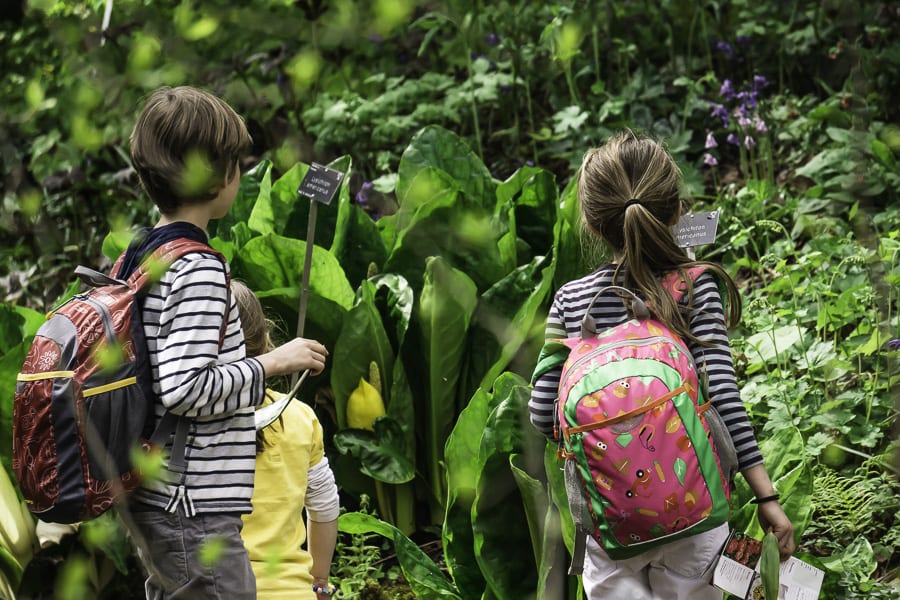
{"type": "Point", "coordinates": [680, 570]}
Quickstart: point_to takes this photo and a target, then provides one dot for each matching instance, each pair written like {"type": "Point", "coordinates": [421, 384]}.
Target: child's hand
{"type": "Point", "coordinates": [772, 518]}
{"type": "Point", "coordinates": [294, 356]}
{"type": "Point", "coordinates": [310, 354]}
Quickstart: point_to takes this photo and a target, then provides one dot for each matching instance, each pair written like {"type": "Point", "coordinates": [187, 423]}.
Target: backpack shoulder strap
{"type": "Point", "coordinates": [166, 254]}
{"type": "Point", "coordinates": [553, 354]}
{"type": "Point", "coordinates": [675, 283]}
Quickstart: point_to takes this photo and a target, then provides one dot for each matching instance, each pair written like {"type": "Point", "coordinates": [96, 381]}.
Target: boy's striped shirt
{"type": "Point", "coordinates": [217, 388]}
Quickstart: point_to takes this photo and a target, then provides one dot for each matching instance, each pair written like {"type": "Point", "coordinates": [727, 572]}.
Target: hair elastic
{"type": "Point", "coordinates": [630, 202]}
{"type": "Point", "coordinates": [772, 498]}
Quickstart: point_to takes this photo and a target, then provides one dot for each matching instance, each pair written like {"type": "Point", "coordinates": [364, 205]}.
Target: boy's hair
{"type": "Point", "coordinates": [185, 146]}
{"type": "Point", "coordinates": [629, 192]}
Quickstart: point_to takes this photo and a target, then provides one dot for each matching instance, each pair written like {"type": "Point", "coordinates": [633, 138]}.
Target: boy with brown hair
{"type": "Point", "coordinates": [185, 147]}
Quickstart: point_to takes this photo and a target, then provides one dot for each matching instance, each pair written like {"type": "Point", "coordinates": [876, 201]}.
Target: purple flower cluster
{"type": "Point", "coordinates": [362, 199]}
{"type": "Point", "coordinates": [741, 105]}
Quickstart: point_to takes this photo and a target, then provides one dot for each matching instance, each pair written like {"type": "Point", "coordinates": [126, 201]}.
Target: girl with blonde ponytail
{"type": "Point", "coordinates": [629, 194]}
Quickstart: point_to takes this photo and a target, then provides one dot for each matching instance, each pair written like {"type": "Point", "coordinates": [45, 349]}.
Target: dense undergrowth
{"type": "Point", "coordinates": [460, 124]}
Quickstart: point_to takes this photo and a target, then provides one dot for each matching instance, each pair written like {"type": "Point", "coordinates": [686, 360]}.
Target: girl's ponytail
{"type": "Point", "coordinates": [629, 190]}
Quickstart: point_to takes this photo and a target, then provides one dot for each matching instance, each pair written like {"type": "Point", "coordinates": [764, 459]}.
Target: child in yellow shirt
{"type": "Point", "coordinates": [292, 473]}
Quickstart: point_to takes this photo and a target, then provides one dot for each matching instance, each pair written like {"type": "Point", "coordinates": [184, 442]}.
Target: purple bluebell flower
{"type": "Point", "coordinates": [733, 140]}
{"type": "Point", "coordinates": [759, 124]}
{"type": "Point", "coordinates": [744, 121]}
{"type": "Point", "coordinates": [749, 142]}
{"type": "Point", "coordinates": [725, 48]}
{"type": "Point", "coordinates": [720, 112]}
{"type": "Point", "coordinates": [529, 163]}
{"type": "Point", "coordinates": [743, 40]}
{"type": "Point", "coordinates": [709, 159]}
{"type": "Point", "coordinates": [894, 344]}
{"type": "Point", "coordinates": [362, 196]}
{"type": "Point", "coordinates": [748, 97]}
{"type": "Point", "coordinates": [492, 40]}
{"type": "Point", "coordinates": [759, 82]}
{"type": "Point", "coordinates": [710, 141]}
{"type": "Point", "coordinates": [727, 90]}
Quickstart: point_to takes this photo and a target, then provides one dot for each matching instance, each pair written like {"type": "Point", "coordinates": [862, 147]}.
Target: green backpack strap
{"type": "Point", "coordinates": [553, 354]}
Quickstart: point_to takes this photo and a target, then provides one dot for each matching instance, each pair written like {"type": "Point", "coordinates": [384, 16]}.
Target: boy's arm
{"type": "Point", "coordinates": [196, 376]}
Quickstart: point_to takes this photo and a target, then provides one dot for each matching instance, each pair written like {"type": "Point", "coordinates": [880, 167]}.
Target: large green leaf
{"type": "Point", "coordinates": [395, 299]}
{"type": "Point", "coordinates": [502, 539]}
{"type": "Point", "coordinates": [558, 530]}
{"type": "Point", "coordinates": [574, 257]}
{"type": "Point", "coordinates": [382, 453]}
{"type": "Point", "coordinates": [272, 266]}
{"type": "Point", "coordinates": [438, 148]}
{"type": "Point", "coordinates": [534, 194]}
{"type": "Point", "coordinates": [767, 346]}
{"type": "Point", "coordinates": [535, 501]}
{"type": "Point", "coordinates": [255, 187]}
{"type": "Point", "coordinates": [357, 241]}
{"type": "Point", "coordinates": [11, 324]}
{"type": "Point", "coordinates": [362, 341]}
{"type": "Point", "coordinates": [273, 261]}
{"type": "Point", "coordinates": [463, 468]}
{"type": "Point", "coordinates": [454, 228]}
{"type": "Point", "coordinates": [402, 410]}
{"type": "Point", "coordinates": [505, 316]}
{"type": "Point", "coordinates": [446, 305]}
{"type": "Point", "coordinates": [788, 467]}
{"type": "Point", "coordinates": [275, 203]}
{"type": "Point", "coordinates": [424, 577]}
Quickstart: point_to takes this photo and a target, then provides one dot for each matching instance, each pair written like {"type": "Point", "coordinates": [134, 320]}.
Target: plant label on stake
{"type": "Point", "coordinates": [319, 185]}
{"type": "Point", "coordinates": [696, 229]}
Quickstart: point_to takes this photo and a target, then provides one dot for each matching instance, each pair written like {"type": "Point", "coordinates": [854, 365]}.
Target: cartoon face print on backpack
{"type": "Point", "coordinates": [598, 450]}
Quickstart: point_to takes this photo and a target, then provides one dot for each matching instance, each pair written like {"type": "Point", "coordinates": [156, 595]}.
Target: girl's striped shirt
{"type": "Point", "coordinates": [707, 322]}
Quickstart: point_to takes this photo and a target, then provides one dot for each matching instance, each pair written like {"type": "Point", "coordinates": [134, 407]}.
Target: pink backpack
{"type": "Point", "coordinates": [647, 458]}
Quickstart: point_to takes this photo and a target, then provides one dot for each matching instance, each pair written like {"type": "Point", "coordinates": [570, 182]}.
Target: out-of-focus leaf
{"type": "Point", "coordinates": [769, 564]}
{"type": "Point", "coordinates": [436, 147]}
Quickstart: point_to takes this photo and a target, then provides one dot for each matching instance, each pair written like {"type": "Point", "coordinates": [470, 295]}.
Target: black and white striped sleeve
{"type": "Point", "coordinates": [708, 324]}
{"type": "Point", "coordinates": [542, 404]}
{"type": "Point", "coordinates": [196, 376]}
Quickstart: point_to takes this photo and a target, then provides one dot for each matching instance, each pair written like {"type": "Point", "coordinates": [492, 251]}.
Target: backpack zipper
{"type": "Point", "coordinates": [641, 342]}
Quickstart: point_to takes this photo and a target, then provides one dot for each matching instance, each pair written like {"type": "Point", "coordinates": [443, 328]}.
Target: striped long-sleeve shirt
{"type": "Point", "coordinates": [217, 387]}
{"type": "Point", "coordinates": [707, 322]}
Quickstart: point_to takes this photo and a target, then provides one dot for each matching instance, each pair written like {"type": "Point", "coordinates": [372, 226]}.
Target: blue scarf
{"type": "Point", "coordinates": [149, 239]}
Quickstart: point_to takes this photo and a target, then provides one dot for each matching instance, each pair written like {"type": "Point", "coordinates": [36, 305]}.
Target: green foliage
{"type": "Point", "coordinates": [444, 107]}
